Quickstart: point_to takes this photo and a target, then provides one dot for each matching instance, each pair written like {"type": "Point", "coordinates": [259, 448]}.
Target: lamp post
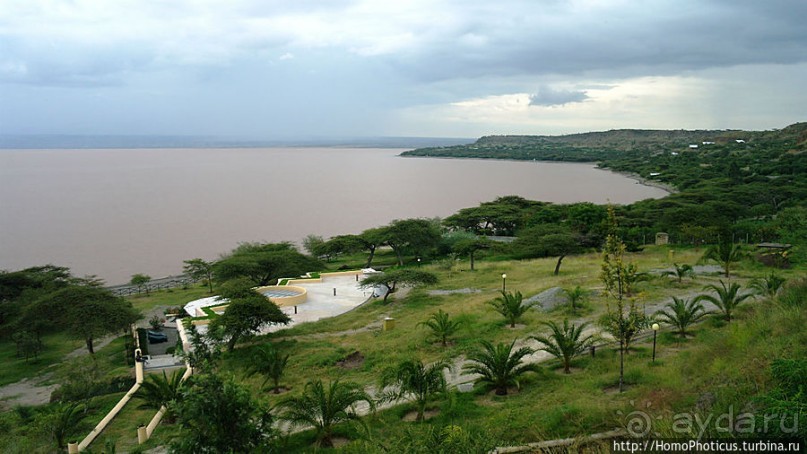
{"type": "Point", "coordinates": [655, 330]}
{"type": "Point", "coordinates": [418, 262]}
{"type": "Point", "coordinates": [504, 282]}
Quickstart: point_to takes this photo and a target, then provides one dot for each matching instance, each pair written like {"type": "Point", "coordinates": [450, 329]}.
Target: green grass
{"type": "Point", "coordinates": [55, 347]}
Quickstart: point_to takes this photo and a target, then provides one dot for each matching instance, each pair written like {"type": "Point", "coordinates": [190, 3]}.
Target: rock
{"type": "Point", "coordinates": [549, 299]}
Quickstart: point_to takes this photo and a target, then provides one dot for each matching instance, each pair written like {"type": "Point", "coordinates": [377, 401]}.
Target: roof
{"type": "Point", "coordinates": [775, 245]}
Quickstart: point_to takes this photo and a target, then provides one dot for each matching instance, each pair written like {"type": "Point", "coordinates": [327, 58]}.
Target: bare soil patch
{"type": "Point", "coordinates": [428, 414]}
{"type": "Point", "coordinates": [352, 361]}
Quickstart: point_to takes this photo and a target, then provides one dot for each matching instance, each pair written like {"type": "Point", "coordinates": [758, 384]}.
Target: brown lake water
{"type": "Point", "coordinates": [114, 213]}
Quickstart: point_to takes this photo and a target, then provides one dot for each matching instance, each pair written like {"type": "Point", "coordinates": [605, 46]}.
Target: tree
{"type": "Point", "coordinates": [682, 313]}
{"type": "Point", "coordinates": [726, 254]}
{"type": "Point", "coordinates": [198, 270]}
{"type": "Point", "coordinates": [499, 365]}
{"type": "Point", "coordinates": [263, 263]}
{"type": "Point", "coordinates": [324, 406]}
{"type": "Point", "coordinates": [411, 379]}
{"type": "Point", "coordinates": [681, 271]}
{"type": "Point", "coordinates": [442, 328]}
{"type": "Point", "coordinates": [511, 306]}
{"type": "Point", "coordinates": [621, 321]}
{"type": "Point", "coordinates": [547, 240]}
{"type": "Point", "coordinates": [247, 311]}
{"type": "Point", "coordinates": [203, 353]}
{"type": "Point", "coordinates": [219, 415]}
{"type": "Point", "coordinates": [63, 421]}
{"type": "Point", "coordinates": [86, 312]}
{"type": "Point", "coordinates": [769, 285]}
{"type": "Point", "coordinates": [141, 281]}
{"type": "Point", "coordinates": [576, 297]}
{"type": "Point", "coordinates": [161, 391]}
{"type": "Point", "coordinates": [313, 244]}
{"type": "Point", "coordinates": [269, 362]}
{"type": "Point", "coordinates": [414, 235]}
{"type": "Point", "coordinates": [726, 298]}
{"type": "Point", "coordinates": [564, 343]}
{"type": "Point", "coordinates": [470, 246]}
{"type": "Point", "coordinates": [398, 277]}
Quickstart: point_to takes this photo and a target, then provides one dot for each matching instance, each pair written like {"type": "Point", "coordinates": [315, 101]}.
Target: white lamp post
{"type": "Point", "coordinates": [655, 330]}
{"type": "Point", "coordinates": [504, 282]}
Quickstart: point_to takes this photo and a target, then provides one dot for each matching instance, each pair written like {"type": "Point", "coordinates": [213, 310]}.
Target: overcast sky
{"type": "Point", "coordinates": [461, 68]}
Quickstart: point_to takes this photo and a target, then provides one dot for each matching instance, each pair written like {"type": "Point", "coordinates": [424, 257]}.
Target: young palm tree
{"type": "Point", "coordinates": [511, 306]}
{"type": "Point", "coordinates": [63, 422]}
{"type": "Point", "coordinates": [725, 298]}
{"type": "Point", "coordinates": [681, 313]}
{"type": "Point", "coordinates": [564, 343]}
{"type": "Point", "coordinates": [324, 406]}
{"type": "Point", "coordinates": [157, 391]}
{"type": "Point", "coordinates": [415, 381]}
{"type": "Point", "coordinates": [681, 271]}
{"type": "Point", "coordinates": [442, 328]}
{"type": "Point", "coordinates": [269, 362]}
{"type": "Point", "coordinates": [768, 286]}
{"type": "Point", "coordinates": [499, 365]}
{"type": "Point", "coordinates": [576, 296]}
{"type": "Point", "coordinates": [726, 254]}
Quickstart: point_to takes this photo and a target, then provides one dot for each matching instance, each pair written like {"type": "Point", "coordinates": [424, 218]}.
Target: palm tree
{"type": "Point", "coordinates": [499, 365]}
{"type": "Point", "coordinates": [161, 391]}
{"type": "Point", "coordinates": [324, 406]}
{"type": "Point", "coordinates": [564, 343]}
{"type": "Point", "coordinates": [725, 298]}
{"type": "Point", "coordinates": [681, 271]}
{"type": "Point", "coordinates": [63, 422]}
{"type": "Point", "coordinates": [269, 362]}
{"type": "Point", "coordinates": [416, 381]}
{"type": "Point", "coordinates": [725, 254]}
{"type": "Point", "coordinates": [575, 295]}
{"type": "Point", "coordinates": [681, 313]}
{"type": "Point", "coordinates": [768, 286]}
{"type": "Point", "coordinates": [511, 306]}
{"type": "Point", "coordinates": [442, 328]}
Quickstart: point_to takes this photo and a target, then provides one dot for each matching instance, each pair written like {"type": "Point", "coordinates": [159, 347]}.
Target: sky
{"type": "Point", "coordinates": [282, 69]}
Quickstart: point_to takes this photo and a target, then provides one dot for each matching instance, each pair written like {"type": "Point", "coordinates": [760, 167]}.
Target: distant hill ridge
{"type": "Point", "coordinates": [628, 139]}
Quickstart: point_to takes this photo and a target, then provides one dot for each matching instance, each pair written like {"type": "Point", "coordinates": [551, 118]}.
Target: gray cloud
{"type": "Point", "coordinates": [548, 97]}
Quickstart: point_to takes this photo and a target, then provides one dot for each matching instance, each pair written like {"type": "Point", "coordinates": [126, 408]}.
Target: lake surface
{"type": "Point", "coordinates": [117, 212]}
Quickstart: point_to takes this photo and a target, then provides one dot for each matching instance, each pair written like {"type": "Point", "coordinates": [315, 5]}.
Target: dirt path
{"type": "Point", "coordinates": [26, 392]}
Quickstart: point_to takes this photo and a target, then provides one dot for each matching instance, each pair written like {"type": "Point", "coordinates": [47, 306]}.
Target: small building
{"type": "Point", "coordinates": [693, 146]}
{"type": "Point", "coordinates": [662, 239]}
{"type": "Point", "coordinates": [655, 174]}
{"type": "Point", "coordinates": [674, 153]}
{"type": "Point", "coordinates": [708, 143]}
{"type": "Point", "coordinates": [739, 140]}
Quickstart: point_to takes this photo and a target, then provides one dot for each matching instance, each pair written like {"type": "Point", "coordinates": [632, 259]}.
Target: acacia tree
{"type": "Point", "coordinates": [86, 312]}
{"type": "Point", "coordinates": [565, 342]}
{"type": "Point", "coordinates": [398, 277]}
{"type": "Point", "coordinates": [415, 235]}
{"type": "Point", "coordinates": [199, 269]}
{"type": "Point", "coordinates": [416, 381]}
{"type": "Point", "coordinates": [141, 281]}
{"type": "Point", "coordinates": [623, 321]}
{"type": "Point", "coordinates": [470, 247]}
{"type": "Point", "coordinates": [246, 312]}
{"type": "Point", "coordinates": [324, 406]}
{"type": "Point", "coordinates": [511, 306]}
{"type": "Point", "coordinates": [263, 263]}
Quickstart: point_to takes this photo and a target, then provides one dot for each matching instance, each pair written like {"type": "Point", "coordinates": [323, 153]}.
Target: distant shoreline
{"type": "Point", "coordinates": [670, 189]}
